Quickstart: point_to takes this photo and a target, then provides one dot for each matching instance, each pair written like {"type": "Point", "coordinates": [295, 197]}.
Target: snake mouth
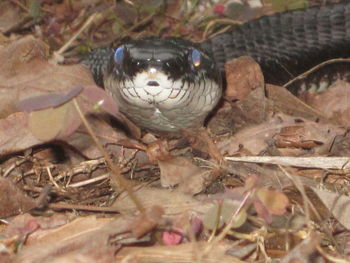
{"type": "Point", "coordinates": [153, 88]}
{"type": "Point", "coordinates": [153, 83]}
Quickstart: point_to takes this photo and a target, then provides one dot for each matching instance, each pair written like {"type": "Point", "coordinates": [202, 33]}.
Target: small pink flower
{"type": "Point", "coordinates": [172, 238]}
{"type": "Point", "coordinates": [219, 9]}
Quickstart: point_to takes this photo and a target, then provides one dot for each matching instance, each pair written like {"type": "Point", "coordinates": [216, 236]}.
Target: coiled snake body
{"type": "Point", "coordinates": [171, 84]}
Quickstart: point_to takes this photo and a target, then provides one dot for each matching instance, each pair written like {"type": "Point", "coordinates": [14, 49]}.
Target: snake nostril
{"type": "Point", "coordinates": [153, 83]}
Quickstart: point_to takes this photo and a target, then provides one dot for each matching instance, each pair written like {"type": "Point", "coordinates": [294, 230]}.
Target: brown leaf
{"type": "Point", "coordinates": [173, 202]}
{"type": "Point", "coordinates": [187, 252]}
{"type": "Point", "coordinates": [281, 100]}
{"type": "Point", "coordinates": [304, 252]}
{"type": "Point", "coordinates": [48, 124]}
{"type": "Point", "coordinates": [334, 103]}
{"type": "Point", "coordinates": [145, 222]}
{"type": "Point", "coordinates": [12, 200]}
{"type": "Point", "coordinates": [46, 101]}
{"type": "Point", "coordinates": [337, 204]}
{"type": "Point", "coordinates": [21, 226]}
{"type": "Point", "coordinates": [181, 171]}
{"type": "Point", "coordinates": [15, 134]}
{"type": "Point", "coordinates": [84, 238]}
{"type": "Point", "coordinates": [26, 73]}
{"type": "Point", "coordinates": [295, 136]}
{"type": "Point", "coordinates": [200, 140]}
{"type": "Point", "coordinates": [10, 15]}
{"type": "Point", "coordinates": [255, 139]}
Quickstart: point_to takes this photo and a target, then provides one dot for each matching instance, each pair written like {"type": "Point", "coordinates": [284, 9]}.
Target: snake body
{"type": "Point", "coordinates": [172, 84]}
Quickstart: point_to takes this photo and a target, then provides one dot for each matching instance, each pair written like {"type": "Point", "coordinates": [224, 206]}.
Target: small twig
{"type": "Point", "coordinates": [16, 2]}
{"type": "Point", "coordinates": [83, 207]}
{"type": "Point", "coordinates": [315, 68]}
{"type": "Point", "coordinates": [219, 20]}
{"type": "Point", "coordinates": [89, 181]}
{"type": "Point", "coordinates": [122, 183]}
{"type": "Point", "coordinates": [51, 177]}
{"type": "Point", "coordinates": [13, 166]}
{"type": "Point", "coordinates": [339, 163]}
{"type": "Point", "coordinates": [74, 37]}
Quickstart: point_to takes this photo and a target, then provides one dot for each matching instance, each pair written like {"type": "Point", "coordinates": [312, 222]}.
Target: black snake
{"type": "Point", "coordinates": [170, 84]}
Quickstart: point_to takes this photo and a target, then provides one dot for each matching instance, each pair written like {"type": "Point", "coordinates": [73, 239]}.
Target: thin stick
{"type": "Point", "coordinates": [122, 183]}
{"type": "Point", "coordinates": [303, 75]}
{"type": "Point", "coordinates": [74, 37]}
{"type": "Point", "coordinates": [83, 207]}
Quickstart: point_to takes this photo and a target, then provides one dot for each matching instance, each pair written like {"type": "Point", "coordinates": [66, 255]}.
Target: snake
{"type": "Point", "coordinates": [171, 84]}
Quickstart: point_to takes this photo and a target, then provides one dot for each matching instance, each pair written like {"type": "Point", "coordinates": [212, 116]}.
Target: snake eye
{"type": "Point", "coordinates": [119, 55]}
{"type": "Point", "coordinates": [196, 57]}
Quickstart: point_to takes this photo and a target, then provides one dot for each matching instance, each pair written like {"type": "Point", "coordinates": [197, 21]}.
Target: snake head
{"type": "Point", "coordinates": [163, 82]}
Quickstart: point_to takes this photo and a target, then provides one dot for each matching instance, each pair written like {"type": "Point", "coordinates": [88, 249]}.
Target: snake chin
{"type": "Point", "coordinates": [170, 106]}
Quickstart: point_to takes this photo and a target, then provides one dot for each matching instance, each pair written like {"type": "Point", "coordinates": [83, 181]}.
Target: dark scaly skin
{"type": "Point", "coordinates": [288, 44]}
{"type": "Point", "coordinates": [284, 44]}
{"type": "Point", "coordinates": [185, 95]}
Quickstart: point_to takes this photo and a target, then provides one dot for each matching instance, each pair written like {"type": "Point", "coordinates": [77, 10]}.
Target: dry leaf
{"type": "Point", "coordinates": [337, 204]}
{"type": "Point", "coordinates": [281, 100]}
{"type": "Point", "coordinates": [181, 171]}
{"type": "Point", "coordinates": [173, 202]}
{"type": "Point", "coordinates": [85, 237]}
{"type": "Point", "coordinates": [10, 15]}
{"type": "Point", "coordinates": [303, 252]}
{"type": "Point", "coordinates": [255, 139]}
{"type": "Point", "coordinates": [145, 222]}
{"type": "Point", "coordinates": [221, 213]}
{"type": "Point", "coordinates": [270, 202]}
{"type": "Point", "coordinates": [334, 103]}
{"type": "Point", "coordinates": [12, 200]}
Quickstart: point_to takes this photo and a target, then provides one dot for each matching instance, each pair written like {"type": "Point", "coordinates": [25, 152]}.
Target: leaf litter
{"type": "Point", "coordinates": [192, 203]}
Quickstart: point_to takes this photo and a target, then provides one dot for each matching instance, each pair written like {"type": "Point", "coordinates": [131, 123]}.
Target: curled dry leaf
{"type": "Point", "coordinates": [255, 139]}
{"type": "Point", "coordinates": [158, 150]}
{"type": "Point", "coordinates": [46, 101]}
{"type": "Point", "coordinates": [295, 136]}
